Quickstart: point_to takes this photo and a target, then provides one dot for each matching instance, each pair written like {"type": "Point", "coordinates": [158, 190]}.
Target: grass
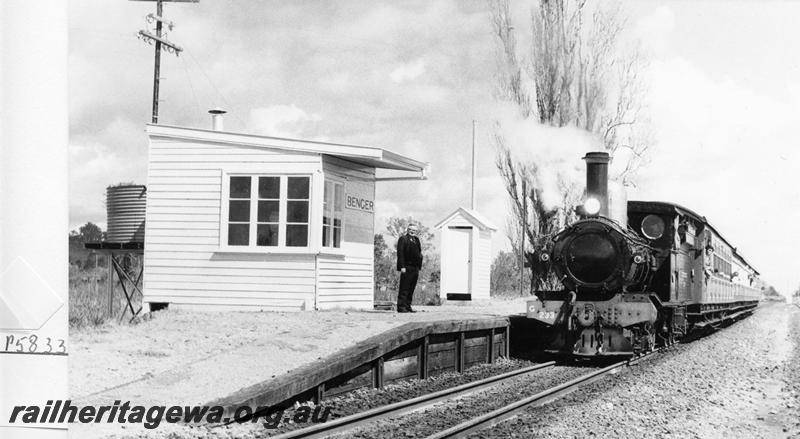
{"type": "Point", "coordinates": [89, 302]}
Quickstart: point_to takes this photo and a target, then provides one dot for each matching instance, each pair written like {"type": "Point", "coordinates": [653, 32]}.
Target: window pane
{"type": "Point", "coordinates": [339, 198]}
{"type": "Point", "coordinates": [297, 211]}
{"type": "Point", "coordinates": [268, 211]}
{"type": "Point", "coordinates": [328, 191]}
{"type": "Point", "coordinates": [238, 234]}
{"type": "Point", "coordinates": [240, 187]}
{"type": "Point", "coordinates": [239, 210]}
{"type": "Point", "coordinates": [329, 195]}
{"type": "Point", "coordinates": [327, 213]}
{"type": "Point", "coordinates": [337, 237]}
{"type": "Point", "coordinates": [269, 187]}
{"type": "Point", "coordinates": [267, 235]}
{"type": "Point", "coordinates": [298, 188]}
{"type": "Point", "coordinates": [296, 235]}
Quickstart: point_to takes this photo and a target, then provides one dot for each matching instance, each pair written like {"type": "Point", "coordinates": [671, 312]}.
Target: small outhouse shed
{"type": "Point", "coordinates": [240, 221]}
{"type": "Point", "coordinates": [466, 255]}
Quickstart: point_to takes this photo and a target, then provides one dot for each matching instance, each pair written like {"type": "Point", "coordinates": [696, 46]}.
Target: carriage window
{"type": "Point", "coordinates": [268, 211]}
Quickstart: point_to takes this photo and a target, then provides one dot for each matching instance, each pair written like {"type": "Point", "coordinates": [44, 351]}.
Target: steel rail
{"type": "Point", "coordinates": [495, 417]}
{"type": "Point", "coordinates": [340, 425]}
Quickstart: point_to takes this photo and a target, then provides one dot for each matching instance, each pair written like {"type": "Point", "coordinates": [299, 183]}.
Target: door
{"type": "Point", "coordinates": [458, 266]}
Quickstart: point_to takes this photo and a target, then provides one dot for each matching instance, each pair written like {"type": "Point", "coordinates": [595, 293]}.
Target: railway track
{"type": "Point", "coordinates": [364, 419]}
{"type": "Point", "coordinates": [346, 423]}
{"type": "Point", "coordinates": [506, 412]}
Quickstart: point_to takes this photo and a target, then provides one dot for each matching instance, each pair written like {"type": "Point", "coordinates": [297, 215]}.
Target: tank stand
{"type": "Point", "coordinates": [116, 253]}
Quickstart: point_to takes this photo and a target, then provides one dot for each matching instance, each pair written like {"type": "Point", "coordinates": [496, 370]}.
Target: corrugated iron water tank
{"type": "Point", "coordinates": [125, 209]}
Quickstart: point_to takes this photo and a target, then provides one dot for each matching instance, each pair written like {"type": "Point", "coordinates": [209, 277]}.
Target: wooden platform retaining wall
{"type": "Point", "coordinates": [413, 350]}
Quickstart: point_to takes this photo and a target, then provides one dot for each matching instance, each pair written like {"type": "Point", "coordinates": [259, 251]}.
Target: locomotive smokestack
{"type": "Point", "coordinates": [597, 179]}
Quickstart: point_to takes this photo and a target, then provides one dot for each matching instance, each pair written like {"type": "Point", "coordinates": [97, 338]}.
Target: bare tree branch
{"type": "Point", "coordinates": [573, 75]}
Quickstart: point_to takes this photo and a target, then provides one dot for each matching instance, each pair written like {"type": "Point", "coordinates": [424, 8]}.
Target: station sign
{"type": "Point", "coordinates": [359, 203]}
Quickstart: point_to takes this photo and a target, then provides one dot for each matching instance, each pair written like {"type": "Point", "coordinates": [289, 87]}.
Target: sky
{"type": "Point", "coordinates": [722, 92]}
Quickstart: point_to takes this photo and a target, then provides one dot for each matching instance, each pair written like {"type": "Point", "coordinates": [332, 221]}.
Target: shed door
{"type": "Point", "coordinates": [458, 265]}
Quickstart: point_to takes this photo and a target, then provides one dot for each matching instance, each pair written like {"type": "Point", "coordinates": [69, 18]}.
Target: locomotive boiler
{"type": "Point", "coordinates": [634, 282]}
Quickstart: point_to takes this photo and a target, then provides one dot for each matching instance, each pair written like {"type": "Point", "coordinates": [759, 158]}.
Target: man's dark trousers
{"type": "Point", "coordinates": [408, 281]}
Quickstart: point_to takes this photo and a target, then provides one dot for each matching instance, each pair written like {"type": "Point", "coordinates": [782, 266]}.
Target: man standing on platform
{"type": "Point", "coordinates": [409, 262]}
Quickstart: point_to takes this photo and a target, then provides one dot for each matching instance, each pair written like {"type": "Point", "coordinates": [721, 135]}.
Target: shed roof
{"type": "Point", "coordinates": [470, 215]}
{"type": "Point", "coordinates": [366, 155]}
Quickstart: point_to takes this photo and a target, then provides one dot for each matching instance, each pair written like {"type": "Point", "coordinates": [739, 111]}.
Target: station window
{"type": "Point", "coordinates": [268, 211]}
{"type": "Point", "coordinates": [333, 215]}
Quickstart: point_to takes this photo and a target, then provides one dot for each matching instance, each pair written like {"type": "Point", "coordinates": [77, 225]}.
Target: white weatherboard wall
{"type": "Point", "coordinates": [466, 255]}
{"type": "Point", "coordinates": [346, 275]}
{"type": "Point", "coordinates": [187, 259]}
{"type": "Point", "coordinates": [183, 264]}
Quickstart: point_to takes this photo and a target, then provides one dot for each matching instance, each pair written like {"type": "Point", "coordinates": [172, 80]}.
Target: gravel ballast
{"type": "Point", "coordinates": [354, 402]}
{"type": "Point", "coordinates": [740, 382]}
{"type": "Point", "coordinates": [442, 416]}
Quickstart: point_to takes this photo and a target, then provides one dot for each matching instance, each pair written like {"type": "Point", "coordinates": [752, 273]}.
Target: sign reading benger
{"type": "Point", "coordinates": [358, 203]}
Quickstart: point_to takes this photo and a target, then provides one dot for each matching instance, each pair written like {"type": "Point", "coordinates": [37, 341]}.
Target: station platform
{"type": "Point", "coordinates": [182, 357]}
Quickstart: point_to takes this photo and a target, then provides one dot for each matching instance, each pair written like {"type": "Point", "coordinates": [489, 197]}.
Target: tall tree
{"type": "Point", "coordinates": [571, 75]}
{"type": "Point", "coordinates": [88, 232]}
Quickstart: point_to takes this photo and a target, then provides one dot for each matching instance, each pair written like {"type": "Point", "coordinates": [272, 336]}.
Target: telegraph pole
{"type": "Point", "coordinates": [160, 42]}
{"type": "Point", "coordinates": [157, 68]}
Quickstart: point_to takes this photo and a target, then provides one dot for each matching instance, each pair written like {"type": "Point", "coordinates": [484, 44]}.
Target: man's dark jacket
{"type": "Point", "coordinates": [409, 252]}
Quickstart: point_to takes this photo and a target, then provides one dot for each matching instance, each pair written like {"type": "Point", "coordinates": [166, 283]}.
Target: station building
{"type": "Point", "coordinates": [246, 222]}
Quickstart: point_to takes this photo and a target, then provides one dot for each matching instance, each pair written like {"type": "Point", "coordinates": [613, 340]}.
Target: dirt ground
{"type": "Point", "coordinates": [181, 357]}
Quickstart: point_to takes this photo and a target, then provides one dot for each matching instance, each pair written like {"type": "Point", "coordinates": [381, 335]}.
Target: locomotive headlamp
{"type": "Point", "coordinates": [591, 206]}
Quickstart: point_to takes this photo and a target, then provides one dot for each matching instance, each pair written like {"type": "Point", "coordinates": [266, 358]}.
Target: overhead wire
{"type": "Point", "coordinates": [213, 85]}
{"type": "Point", "coordinates": [191, 85]}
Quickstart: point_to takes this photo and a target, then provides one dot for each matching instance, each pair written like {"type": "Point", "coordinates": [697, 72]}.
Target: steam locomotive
{"type": "Point", "coordinates": [637, 281]}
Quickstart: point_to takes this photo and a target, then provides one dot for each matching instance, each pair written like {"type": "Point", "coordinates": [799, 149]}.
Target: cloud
{"type": "Point", "coordinates": [656, 29]}
{"type": "Point", "coordinates": [93, 167]}
{"type": "Point", "coordinates": [408, 71]}
{"type": "Point", "coordinates": [112, 153]}
{"type": "Point", "coordinates": [280, 120]}
{"type": "Point", "coordinates": [730, 153]}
